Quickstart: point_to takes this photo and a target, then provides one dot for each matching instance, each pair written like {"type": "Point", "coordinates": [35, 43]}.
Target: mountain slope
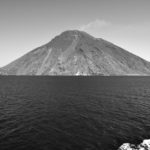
{"type": "Point", "coordinates": [78, 53]}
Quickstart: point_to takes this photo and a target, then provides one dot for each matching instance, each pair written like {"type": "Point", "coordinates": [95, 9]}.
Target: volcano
{"type": "Point", "coordinates": [78, 53]}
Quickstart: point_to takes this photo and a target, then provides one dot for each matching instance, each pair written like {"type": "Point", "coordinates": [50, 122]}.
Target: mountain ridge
{"type": "Point", "coordinates": [76, 52]}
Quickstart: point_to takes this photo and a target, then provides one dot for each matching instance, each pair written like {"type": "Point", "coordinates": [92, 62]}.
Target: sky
{"type": "Point", "coordinates": [28, 24]}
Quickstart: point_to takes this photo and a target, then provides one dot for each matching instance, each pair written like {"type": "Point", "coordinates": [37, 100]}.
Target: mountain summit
{"type": "Point", "coordinates": [78, 53]}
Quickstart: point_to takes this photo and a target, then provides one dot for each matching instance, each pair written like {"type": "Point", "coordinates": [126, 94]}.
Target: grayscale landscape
{"type": "Point", "coordinates": [74, 75]}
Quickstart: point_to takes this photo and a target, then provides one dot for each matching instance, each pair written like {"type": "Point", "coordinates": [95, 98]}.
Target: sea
{"type": "Point", "coordinates": [73, 113]}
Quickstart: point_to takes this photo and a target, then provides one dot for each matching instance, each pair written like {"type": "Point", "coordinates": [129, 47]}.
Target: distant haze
{"type": "Point", "coordinates": [27, 24]}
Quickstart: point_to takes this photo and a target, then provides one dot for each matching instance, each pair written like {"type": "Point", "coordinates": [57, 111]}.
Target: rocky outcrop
{"type": "Point", "coordinates": [145, 145]}
{"type": "Point", "coordinates": [78, 53]}
{"type": "Point", "coordinates": [3, 72]}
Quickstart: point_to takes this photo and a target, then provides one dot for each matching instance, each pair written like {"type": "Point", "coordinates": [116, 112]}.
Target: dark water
{"type": "Point", "coordinates": [73, 113]}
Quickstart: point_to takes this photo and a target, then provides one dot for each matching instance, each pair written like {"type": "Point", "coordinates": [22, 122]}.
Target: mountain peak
{"type": "Point", "coordinates": [73, 32]}
{"type": "Point", "coordinates": [76, 33]}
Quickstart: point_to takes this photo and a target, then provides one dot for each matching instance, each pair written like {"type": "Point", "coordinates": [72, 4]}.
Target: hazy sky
{"type": "Point", "coordinates": [27, 24]}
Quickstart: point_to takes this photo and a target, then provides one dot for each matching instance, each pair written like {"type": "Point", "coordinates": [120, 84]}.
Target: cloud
{"type": "Point", "coordinates": [95, 24]}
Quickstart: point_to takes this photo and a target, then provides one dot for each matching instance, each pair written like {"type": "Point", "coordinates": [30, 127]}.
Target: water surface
{"type": "Point", "coordinates": [73, 113]}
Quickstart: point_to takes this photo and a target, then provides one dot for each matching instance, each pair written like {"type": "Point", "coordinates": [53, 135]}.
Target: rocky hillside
{"type": "Point", "coordinates": [3, 72]}
{"type": "Point", "coordinates": [78, 53]}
